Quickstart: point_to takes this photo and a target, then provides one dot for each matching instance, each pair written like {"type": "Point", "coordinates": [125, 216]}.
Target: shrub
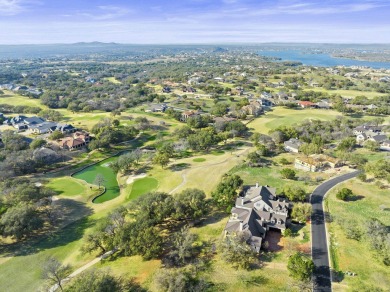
{"type": "Point", "coordinates": [344, 194]}
{"type": "Point", "coordinates": [288, 173]}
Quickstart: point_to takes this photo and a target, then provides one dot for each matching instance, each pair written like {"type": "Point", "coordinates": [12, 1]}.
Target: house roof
{"type": "Point", "coordinates": [306, 103]}
{"type": "Point", "coordinates": [71, 142]}
{"type": "Point", "coordinates": [34, 120]}
{"type": "Point", "coordinates": [257, 209]}
{"type": "Point", "coordinates": [293, 143]}
{"type": "Point", "coordinates": [43, 126]}
{"type": "Point", "coordinates": [379, 138]}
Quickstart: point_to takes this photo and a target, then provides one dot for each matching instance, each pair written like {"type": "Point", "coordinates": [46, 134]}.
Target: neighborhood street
{"type": "Point", "coordinates": [322, 279]}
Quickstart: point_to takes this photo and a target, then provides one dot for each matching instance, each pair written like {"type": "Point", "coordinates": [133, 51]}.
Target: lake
{"type": "Point", "coordinates": [321, 60]}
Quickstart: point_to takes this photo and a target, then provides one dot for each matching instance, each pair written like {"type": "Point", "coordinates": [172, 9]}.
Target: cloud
{"type": "Point", "coordinates": [107, 12]}
{"type": "Point", "coordinates": [14, 7]}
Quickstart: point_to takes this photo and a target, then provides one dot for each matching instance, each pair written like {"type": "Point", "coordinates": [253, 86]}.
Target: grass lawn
{"type": "Point", "coordinates": [200, 159]}
{"type": "Point", "coordinates": [16, 99]}
{"type": "Point", "coordinates": [271, 176]}
{"type": "Point", "coordinates": [142, 186]}
{"type": "Point", "coordinates": [67, 186]}
{"type": "Point", "coordinates": [133, 267]}
{"type": "Point", "coordinates": [113, 80]}
{"type": "Point", "coordinates": [348, 93]}
{"type": "Point", "coordinates": [27, 266]}
{"type": "Point", "coordinates": [280, 116]}
{"type": "Point", "coordinates": [227, 278]}
{"type": "Point", "coordinates": [352, 255]}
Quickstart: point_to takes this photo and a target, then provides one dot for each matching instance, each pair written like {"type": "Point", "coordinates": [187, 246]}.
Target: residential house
{"type": "Point", "coordinates": [306, 104]}
{"type": "Point", "coordinates": [254, 108]}
{"type": "Point", "coordinates": [255, 213]}
{"type": "Point", "coordinates": [314, 84]}
{"type": "Point", "coordinates": [76, 141]}
{"type": "Point", "coordinates": [323, 104]}
{"type": "Point", "coordinates": [43, 128]}
{"type": "Point", "coordinates": [292, 145]}
{"type": "Point", "coordinates": [65, 128]}
{"type": "Point", "coordinates": [378, 138]}
{"type": "Point", "coordinates": [316, 162]}
{"type": "Point", "coordinates": [385, 145]}
{"type": "Point", "coordinates": [364, 128]}
{"type": "Point", "coordinates": [188, 114]}
{"type": "Point", "coordinates": [156, 108]}
{"type": "Point", "coordinates": [265, 102]}
{"type": "Point", "coordinates": [266, 95]}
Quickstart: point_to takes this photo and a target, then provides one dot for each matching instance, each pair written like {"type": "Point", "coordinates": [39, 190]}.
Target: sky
{"type": "Point", "coordinates": [194, 21]}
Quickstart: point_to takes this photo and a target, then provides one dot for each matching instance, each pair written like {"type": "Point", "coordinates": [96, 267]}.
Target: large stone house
{"type": "Point", "coordinates": [254, 108]}
{"type": "Point", "coordinates": [76, 141]}
{"type": "Point", "coordinates": [255, 213]}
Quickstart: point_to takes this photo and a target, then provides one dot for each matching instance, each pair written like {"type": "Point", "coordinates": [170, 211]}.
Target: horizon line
{"type": "Point", "coordinates": [197, 44]}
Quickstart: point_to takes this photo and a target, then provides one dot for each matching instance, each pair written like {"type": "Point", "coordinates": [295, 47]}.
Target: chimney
{"type": "Point", "coordinates": [241, 225]}
{"type": "Point", "coordinates": [242, 201]}
{"type": "Point", "coordinates": [257, 185]}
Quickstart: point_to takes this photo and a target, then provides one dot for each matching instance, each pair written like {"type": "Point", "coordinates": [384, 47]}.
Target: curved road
{"type": "Point", "coordinates": [319, 247]}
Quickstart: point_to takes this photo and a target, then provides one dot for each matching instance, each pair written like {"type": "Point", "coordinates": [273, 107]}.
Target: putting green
{"type": "Point", "coordinates": [67, 187]}
{"type": "Point", "coordinates": [142, 186]}
{"type": "Point", "coordinates": [110, 183]}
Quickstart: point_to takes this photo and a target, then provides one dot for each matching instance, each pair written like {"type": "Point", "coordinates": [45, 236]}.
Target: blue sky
{"type": "Point", "coordinates": [194, 21]}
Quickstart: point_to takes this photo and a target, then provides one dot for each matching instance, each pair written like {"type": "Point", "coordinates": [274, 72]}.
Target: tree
{"type": "Point", "coordinates": [190, 204]}
{"type": "Point", "coordinates": [20, 220]}
{"type": "Point", "coordinates": [101, 281]}
{"type": "Point", "coordinates": [137, 238]}
{"type": "Point", "coordinates": [344, 194]}
{"type": "Point", "coordinates": [37, 143]}
{"type": "Point", "coordinates": [294, 193]}
{"type": "Point", "coordinates": [226, 191]}
{"type": "Point", "coordinates": [161, 159]}
{"type": "Point", "coordinates": [301, 212]}
{"type": "Point", "coordinates": [56, 135]}
{"type": "Point", "coordinates": [371, 145]}
{"type": "Point", "coordinates": [236, 251]}
{"type": "Point", "coordinates": [54, 272]}
{"type": "Point", "coordinates": [99, 180]}
{"type": "Point", "coordinates": [288, 173]}
{"type": "Point", "coordinates": [347, 144]}
{"type": "Point", "coordinates": [300, 267]}
{"type": "Point", "coordinates": [183, 248]}
{"type": "Point", "coordinates": [100, 239]}
{"type": "Point", "coordinates": [179, 280]}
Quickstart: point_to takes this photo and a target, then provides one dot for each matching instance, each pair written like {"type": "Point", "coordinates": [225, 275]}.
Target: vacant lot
{"type": "Point", "coordinates": [356, 256]}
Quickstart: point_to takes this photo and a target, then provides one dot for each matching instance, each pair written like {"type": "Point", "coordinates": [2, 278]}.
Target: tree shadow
{"type": "Point", "coordinates": [213, 218]}
{"type": "Point", "coordinates": [62, 234]}
{"type": "Point", "coordinates": [295, 228]}
{"type": "Point", "coordinates": [179, 166]}
{"type": "Point", "coordinates": [355, 198]}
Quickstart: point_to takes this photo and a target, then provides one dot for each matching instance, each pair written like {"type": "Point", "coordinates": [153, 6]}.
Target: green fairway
{"type": "Point", "coordinates": [199, 159]}
{"type": "Point", "coordinates": [67, 186]}
{"type": "Point", "coordinates": [280, 116]}
{"type": "Point", "coordinates": [89, 175]}
{"type": "Point", "coordinates": [142, 186]}
{"type": "Point", "coordinates": [16, 99]}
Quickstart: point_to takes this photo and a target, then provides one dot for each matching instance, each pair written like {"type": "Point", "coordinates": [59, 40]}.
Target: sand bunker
{"type": "Point", "coordinates": [132, 178]}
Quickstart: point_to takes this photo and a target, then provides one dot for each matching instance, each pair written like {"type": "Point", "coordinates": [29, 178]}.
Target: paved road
{"type": "Point", "coordinates": [319, 242]}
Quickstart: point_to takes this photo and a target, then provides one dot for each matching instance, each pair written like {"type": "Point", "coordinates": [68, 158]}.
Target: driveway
{"type": "Point", "coordinates": [322, 280]}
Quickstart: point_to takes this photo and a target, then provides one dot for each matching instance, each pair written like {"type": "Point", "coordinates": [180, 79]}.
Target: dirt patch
{"type": "Point", "coordinates": [273, 238]}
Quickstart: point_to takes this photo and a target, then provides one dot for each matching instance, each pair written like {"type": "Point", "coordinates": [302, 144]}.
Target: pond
{"type": "Point", "coordinates": [111, 184]}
